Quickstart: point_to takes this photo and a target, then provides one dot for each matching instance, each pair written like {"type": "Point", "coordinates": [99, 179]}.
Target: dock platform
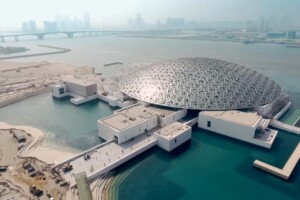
{"type": "Point", "coordinates": [104, 158]}
{"type": "Point", "coordinates": [287, 169]}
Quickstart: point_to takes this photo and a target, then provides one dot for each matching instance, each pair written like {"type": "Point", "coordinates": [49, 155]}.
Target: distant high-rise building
{"type": "Point", "coordinates": [50, 26]}
{"type": "Point", "coordinates": [136, 22]}
{"type": "Point", "coordinates": [139, 20]}
{"type": "Point", "coordinates": [65, 23]}
{"type": "Point", "coordinates": [32, 26]}
{"type": "Point", "coordinates": [175, 22]}
{"type": "Point", "coordinates": [25, 28]}
{"type": "Point", "coordinates": [263, 24]}
{"type": "Point", "coordinates": [87, 23]}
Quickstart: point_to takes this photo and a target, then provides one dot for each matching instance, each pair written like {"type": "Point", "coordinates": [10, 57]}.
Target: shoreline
{"type": "Point", "coordinates": [37, 146]}
{"type": "Point", "coordinates": [59, 50]}
{"type": "Point", "coordinates": [20, 80]}
{"type": "Point", "coordinates": [35, 150]}
{"type": "Point", "coordinates": [15, 180]}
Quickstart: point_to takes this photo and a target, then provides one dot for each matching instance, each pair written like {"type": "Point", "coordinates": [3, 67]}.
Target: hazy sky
{"type": "Point", "coordinates": [116, 12]}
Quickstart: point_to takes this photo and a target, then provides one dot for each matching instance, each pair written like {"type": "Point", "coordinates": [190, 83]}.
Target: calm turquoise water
{"type": "Point", "coordinates": [66, 124]}
{"type": "Point", "coordinates": [211, 166]}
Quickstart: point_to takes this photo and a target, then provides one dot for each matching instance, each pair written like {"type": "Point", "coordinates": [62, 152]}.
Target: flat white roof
{"type": "Point", "coordinates": [79, 81]}
{"type": "Point", "coordinates": [164, 111]}
{"type": "Point", "coordinates": [129, 117]}
{"type": "Point", "coordinates": [172, 130]}
{"type": "Point", "coordinates": [238, 117]}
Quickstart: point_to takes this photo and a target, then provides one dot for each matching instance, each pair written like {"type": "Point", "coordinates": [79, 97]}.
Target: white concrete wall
{"type": "Point", "coordinates": [112, 101]}
{"type": "Point", "coordinates": [125, 108]}
{"type": "Point", "coordinates": [124, 104]}
{"type": "Point", "coordinates": [81, 90]}
{"type": "Point", "coordinates": [164, 121]}
{"type": "Point", "coordinates": [170, 145]}
{"type": "Point", "coordinates": [120, 161]}
{"type": "Point", "coordinates": [263, 143]}
{"type": "Point", "coordinates": [137, 129]}
{"type": "Point", "coordinates": [263, 110]}
{"type": "Point", "coordinates": [180, 139]}
{"type": "Point", "coordinates": [91, 89]}
{"type": "Point", "coordinates": [106, 132]}
{"type": "Point", "coordinates": [234, 130]}
{"type": "Point", "coordinates": [118, 95]}
{"type": "Point", "coordinates": [56, 93]}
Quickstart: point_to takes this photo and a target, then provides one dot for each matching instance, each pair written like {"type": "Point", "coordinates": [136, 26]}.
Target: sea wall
{"type": "Point", "coordinates": [60, 50]}
{"type": "Point", "coordinates": [23, 96]}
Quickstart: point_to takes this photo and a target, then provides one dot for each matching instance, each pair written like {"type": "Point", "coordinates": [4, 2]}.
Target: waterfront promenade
{"type": "Point", "coordinates": [104, 158]}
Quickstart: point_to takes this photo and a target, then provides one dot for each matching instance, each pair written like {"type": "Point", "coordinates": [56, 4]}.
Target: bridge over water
{"type": "Point", "coordinates": [69, 34]}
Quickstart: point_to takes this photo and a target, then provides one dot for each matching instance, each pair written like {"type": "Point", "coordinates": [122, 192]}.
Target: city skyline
{"type": "Point", "coordinates": [116, 13]}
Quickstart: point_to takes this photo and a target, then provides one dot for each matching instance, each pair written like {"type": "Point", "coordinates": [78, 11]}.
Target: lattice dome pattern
{"type": "Point", "coordinates": [201, 84]}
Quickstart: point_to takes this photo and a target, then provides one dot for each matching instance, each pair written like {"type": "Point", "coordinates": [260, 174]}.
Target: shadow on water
{"type": "Point", "coordinates": [148, 181]}
{"type": "Point", "coordinates": [181, 150]}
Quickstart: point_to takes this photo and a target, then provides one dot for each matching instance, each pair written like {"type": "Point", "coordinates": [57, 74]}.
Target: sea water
{"type": "Point", "coordinates": [211, 166]}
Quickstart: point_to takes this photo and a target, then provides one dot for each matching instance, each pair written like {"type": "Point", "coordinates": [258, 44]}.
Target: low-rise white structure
{"type": "Point", "coordinates": [134, 120]}
{"type": "Point", "coordinates": [81, 87]}
{"type": "Point", "coordinates": [59, 91]}
{"type": "Point", "coordinates": [76, 88]}
{"type": "Point", "coordinates": [127, 124]}
{"type": "Point", "coordinates": [248, 127]}
{"type": "Point", "coordinates": [173, 135]}
{"type": "Point", "coordinates": [85, 90]}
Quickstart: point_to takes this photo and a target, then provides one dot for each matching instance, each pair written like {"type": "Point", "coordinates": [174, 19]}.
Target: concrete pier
{"type": "Point", "coordinates": [286, 127]}
{"type": "Point", "coordinates": [105, 158]}
{"type": "Point", "coordinates": [59, 50]}
{"type": "Point", "coordinates": [287, 169]}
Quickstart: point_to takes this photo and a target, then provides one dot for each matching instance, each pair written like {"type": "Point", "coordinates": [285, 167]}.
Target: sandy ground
{"type": "Point", "coordinates": [8, 150]}
{"type": "Point", "coordinates": [18, 80]}
{"type": "Point", "coordinates": [37, 147]}
{"type": "Point", "coordinates": [15, 182]}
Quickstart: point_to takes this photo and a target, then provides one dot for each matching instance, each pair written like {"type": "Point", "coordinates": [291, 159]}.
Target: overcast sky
{"type": "Point", "coordinates": [116, 12]}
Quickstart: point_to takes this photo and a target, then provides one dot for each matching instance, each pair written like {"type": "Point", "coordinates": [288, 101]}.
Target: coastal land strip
{"type": "Point", "coordinates": [58, 50]}
{"type": "Point", "coordinates": [19, 81]}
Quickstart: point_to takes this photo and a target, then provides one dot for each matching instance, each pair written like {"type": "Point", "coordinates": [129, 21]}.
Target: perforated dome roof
{"type": "Point", "coordinates": [201, 84]}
